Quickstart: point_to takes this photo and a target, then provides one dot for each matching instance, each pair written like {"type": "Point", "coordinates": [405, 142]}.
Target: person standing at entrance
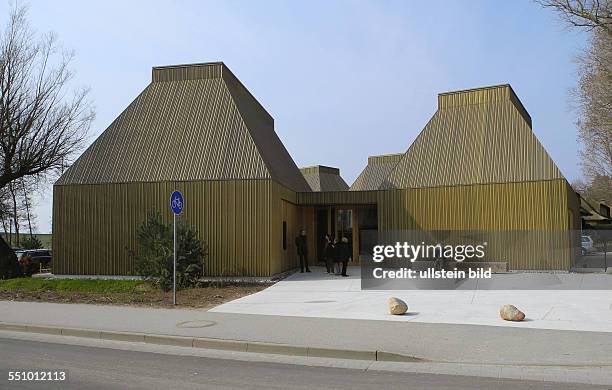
{"type": "Point", "coordinates": [336, 257]}
{"type": "Point", "coordinates": [344, 254]}
{"type": "Point", "coordinates": [328, 254]}
{"type": "Point", "coordinates": [302, 250]}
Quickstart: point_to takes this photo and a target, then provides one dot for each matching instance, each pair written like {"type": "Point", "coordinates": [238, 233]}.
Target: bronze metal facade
{"type": "Point", "coordinates": [530, 222]}
{"type": "Point", "coordinates": [476, 136]}
{"type": "Point", "coordinates": [374, 175]}
{"type": "Point", "coordinates": [321, 178]}
{"type": "Point", "coordinates": [195, 122]}
{"type": "Point", "coordinates": [476, 166]}
{"type": "Point", "coordinates": [197, 129]}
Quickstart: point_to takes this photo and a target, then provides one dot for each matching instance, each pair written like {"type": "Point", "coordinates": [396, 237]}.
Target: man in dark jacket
{"type": "Point", "coordinates": [302, 250]}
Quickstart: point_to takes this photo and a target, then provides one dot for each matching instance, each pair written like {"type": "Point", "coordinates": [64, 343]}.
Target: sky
{"type": "Point", "coordinates": [342, 79]}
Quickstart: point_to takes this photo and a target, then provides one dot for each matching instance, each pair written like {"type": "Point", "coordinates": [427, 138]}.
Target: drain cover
{"type": "Point", "coordinates": [195, 324]}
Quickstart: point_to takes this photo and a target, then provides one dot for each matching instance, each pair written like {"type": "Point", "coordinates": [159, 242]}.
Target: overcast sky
{"type": "Point", "coordinates": [342, 79]}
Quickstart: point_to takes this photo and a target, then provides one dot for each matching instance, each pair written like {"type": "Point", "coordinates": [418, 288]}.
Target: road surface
{"type": "Point", "coordinates": [104, 368]}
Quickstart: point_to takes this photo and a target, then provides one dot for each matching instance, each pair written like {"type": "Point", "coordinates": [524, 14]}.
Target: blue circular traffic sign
{"type": "Point", "coordinates": [176, 202]}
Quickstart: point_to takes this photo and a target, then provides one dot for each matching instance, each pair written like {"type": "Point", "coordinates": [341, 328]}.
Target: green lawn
{"type": "Point", "coordinates": [72, 285]}
{"type": "Point", "coordinates": [45, 239]}
{"type": "Point", "coordinates": [118, 292]}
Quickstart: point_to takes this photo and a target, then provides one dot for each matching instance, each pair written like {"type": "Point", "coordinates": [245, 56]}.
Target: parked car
{"type": "Point", "coordinates": [32, 260]}
{"type": "Point", "coordinates": [587, 245]}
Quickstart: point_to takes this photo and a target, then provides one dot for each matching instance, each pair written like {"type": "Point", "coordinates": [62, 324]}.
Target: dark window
{"type": "Point", "coordinates": [368, 218]}
{"type": "Point", "coordinates": [368, 230]}
{"type": "Point", "coordinates": [284, 235]}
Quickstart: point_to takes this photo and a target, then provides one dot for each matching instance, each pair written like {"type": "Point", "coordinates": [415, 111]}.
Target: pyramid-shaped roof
{"type": "Point", "coordinates": [192, 122]}
{"type": "Point", "coordinates": [322, 178]}
{"type": "Point", "coordinates": [476, 136]}
{"type": "Point", "coordinates": [374, 174]}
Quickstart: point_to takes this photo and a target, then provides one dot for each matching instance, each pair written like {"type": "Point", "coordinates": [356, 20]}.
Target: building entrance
{"type": "Point", "coordinates": [357, 223]}
{"type": "Point", "coordinates": [321, 229]}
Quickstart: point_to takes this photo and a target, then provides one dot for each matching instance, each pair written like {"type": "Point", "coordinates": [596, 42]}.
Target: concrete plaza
{"type": "Point", "coordinates": [317, 294]}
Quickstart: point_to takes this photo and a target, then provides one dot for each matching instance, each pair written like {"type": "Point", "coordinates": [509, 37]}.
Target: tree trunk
{"type": "Point", "coordinates": [5, 227]}
{"type": "Point", "coordinates": [15, 213]}
{"type": "Point", "coordinates": [26, 202]}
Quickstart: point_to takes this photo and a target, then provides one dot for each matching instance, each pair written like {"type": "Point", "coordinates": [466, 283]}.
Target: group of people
{"type": "Point", "coordinates": [337, 253]}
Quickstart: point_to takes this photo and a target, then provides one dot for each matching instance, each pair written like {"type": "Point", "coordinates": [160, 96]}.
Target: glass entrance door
{"type": "Point", "coordinates": [344, 224]}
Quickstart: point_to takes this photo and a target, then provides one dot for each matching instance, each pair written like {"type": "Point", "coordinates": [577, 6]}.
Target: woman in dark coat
{"type": "Point", "coordinates": [328, 254]}
{"type": "Point", "coordinates": [343, 254]}
{"type": "Point", "coordinates": [333, 255]}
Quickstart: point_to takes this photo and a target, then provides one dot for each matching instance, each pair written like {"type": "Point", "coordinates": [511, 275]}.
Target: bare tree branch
{"type": "Point", "coordinates": [593, 95]}
{"type": "Point", "coordinates": [590, 14]}
{"type": "Point", "coordinates": [41, 126]}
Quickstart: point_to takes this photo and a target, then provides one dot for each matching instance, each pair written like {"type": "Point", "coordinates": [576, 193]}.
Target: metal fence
{"type": "Point", "coordinates": [595, 250]}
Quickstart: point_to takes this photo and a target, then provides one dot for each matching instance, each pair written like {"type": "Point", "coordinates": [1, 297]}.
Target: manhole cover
{"type": "Point", "coordinates": [320, 301]}
{"type": "Point", "coordinates": [195, 324]}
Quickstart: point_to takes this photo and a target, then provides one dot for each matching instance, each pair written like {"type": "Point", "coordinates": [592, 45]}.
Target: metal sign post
{"type": "Point", "coordinates": [176, 204]}
{"type": "Point", "coordinates": [174, 267]}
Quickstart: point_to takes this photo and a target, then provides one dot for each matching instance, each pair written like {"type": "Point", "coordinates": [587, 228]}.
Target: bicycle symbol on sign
{"type": "Point", "coordinates": [176, 202]}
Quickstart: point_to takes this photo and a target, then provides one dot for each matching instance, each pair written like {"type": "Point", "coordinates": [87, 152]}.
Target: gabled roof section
{"type": "Point", "coordinates": [193, 122]}
{"type": "Point", "coordinates": [373, 175]}
{"type": "Point", "coordinates": [321, 178]}
{"type": "Point", "coordinates": [476, 136]}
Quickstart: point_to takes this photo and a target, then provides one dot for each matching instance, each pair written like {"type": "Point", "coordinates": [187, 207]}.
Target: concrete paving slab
{"type": "Point", "coordinates": [320, 295]}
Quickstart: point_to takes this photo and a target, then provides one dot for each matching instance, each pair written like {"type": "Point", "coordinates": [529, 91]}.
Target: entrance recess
{"type": "Point", "coordinates": [357, 223]}
{"type": "Point", "coordinates": [344, 224]}
{"type": "Point", "coordinates": [321, 229]}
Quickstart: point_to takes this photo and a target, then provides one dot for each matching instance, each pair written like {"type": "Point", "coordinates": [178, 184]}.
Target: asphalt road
{"type": "Point", "coordinates": [104, 368]}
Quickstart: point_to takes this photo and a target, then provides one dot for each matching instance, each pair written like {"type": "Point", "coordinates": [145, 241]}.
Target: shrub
{"type": "Point", "coordinates": [9, 267]}
{"type": "Point", "coordinates": [154, 255]}
{"type": "Point", "coordinates": [31, 242]}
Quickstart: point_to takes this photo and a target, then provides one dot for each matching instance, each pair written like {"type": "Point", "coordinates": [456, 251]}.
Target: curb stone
{"type": "Point", "coordinates": [210, 343]}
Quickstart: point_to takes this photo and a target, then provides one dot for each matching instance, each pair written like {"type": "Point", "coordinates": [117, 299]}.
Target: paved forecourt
{"type": "Point", "coordinates": [317, 294]}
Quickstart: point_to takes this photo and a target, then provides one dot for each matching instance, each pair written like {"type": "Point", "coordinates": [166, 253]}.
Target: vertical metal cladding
{"type": "Point", "coordinates": [322, 178]}
{"type": "Point", "coordinates": [94, 226]}
{"type": "Point", "coordinates": [476, 166]}
{"type": "Point", "coordinates": [193, 122]}
{"type": "Point", "coordinates": [374, 174]}
{"type": "Point", "coordinates": [187, 130]}
{"type": "Point", "coordinates": [537, 213]}
{"type": "Point", "coordinates": [211, 70]}
{"type": "Point", "coordinates": [529, 222]}
{"type": "Point", "coordinates": [337, 198]}
{"type": "Point", "coordinates": [279, 163]}
{"type": "Point", "coordinates": [476, 137]}
{"type": "Point", "coordinates": [197, 129]}
{"type": "Point", "coordinates": [484, 95]}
